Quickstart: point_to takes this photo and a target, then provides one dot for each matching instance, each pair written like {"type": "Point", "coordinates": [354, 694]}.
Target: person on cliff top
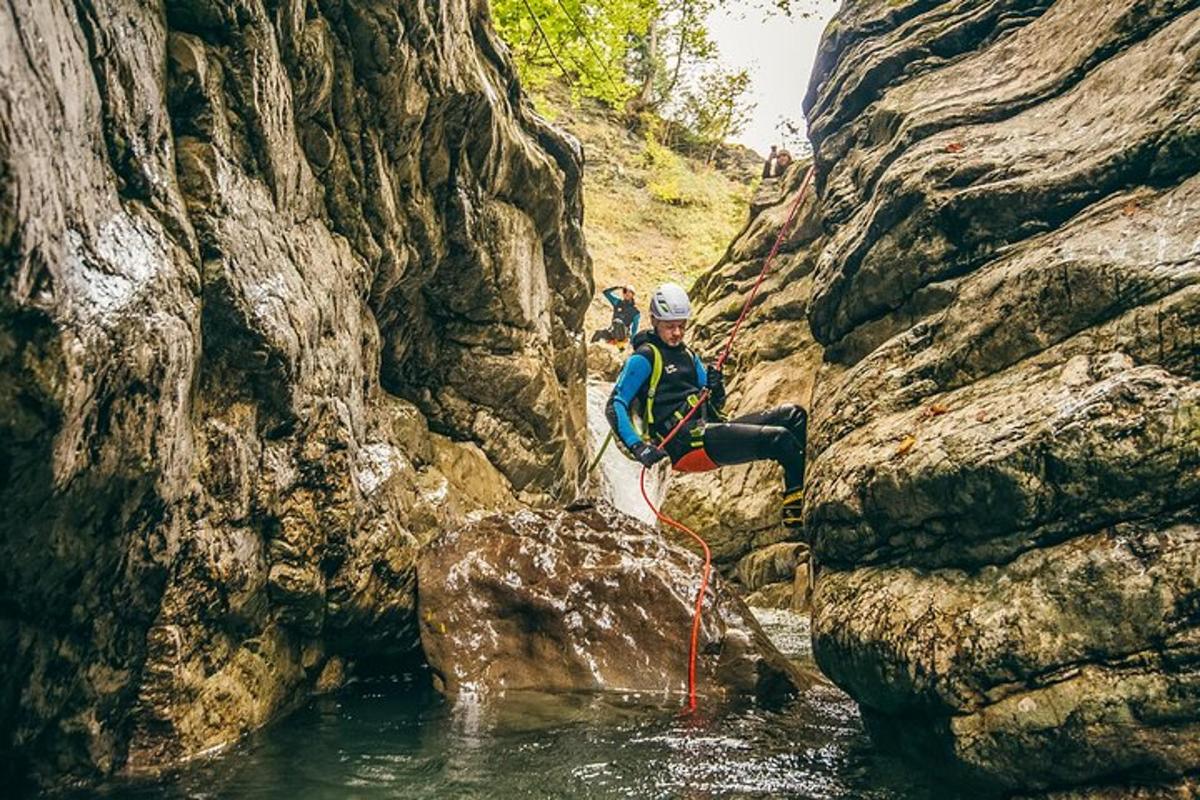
{"type": "Point", "coordinates": [777, 163]}
{"type": "Point", "coordinates": [660, 383]}
{"type": "Point", "coordinates": [625, 316]}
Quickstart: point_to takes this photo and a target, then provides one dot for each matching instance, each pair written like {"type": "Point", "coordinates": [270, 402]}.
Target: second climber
{"type": "Point", "coordinates": [663, 380]}
{"type": "Point", "coordinates": [625, 316]}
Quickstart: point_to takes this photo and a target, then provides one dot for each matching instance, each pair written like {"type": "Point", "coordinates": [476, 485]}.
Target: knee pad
{"type": "Point", "coordinates": [795, 419]}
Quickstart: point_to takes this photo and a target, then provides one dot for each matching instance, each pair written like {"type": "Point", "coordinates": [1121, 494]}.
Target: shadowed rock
{"type": "Point", "coordinates": [587, 601]}
{"type": "Point", "coordinates": [286, 287]}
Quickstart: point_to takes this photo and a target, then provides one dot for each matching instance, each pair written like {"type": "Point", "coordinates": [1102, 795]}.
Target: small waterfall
{"type": "Point", "coordinates": [616, 477]}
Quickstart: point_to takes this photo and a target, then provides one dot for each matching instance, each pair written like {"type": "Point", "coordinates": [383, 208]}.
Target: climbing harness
{"type": "Point", "coordinates": [700, 401]}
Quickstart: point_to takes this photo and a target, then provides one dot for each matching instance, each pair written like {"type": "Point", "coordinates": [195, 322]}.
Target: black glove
{"type": "Point", "coordinates": [716, 387]}
{"type": "Point", "coordinates": [648, 454]}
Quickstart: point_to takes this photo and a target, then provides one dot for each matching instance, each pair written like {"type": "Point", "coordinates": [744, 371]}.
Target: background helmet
{"type": "Point", "coordinates": [670, 303]}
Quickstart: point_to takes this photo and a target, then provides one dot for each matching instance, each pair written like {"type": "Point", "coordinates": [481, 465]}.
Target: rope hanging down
{"type": "Point", "coordinates": [674, 523]}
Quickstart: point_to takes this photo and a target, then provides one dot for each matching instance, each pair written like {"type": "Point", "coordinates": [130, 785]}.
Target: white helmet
{"type": "Point", "coordinates": [670, 303]}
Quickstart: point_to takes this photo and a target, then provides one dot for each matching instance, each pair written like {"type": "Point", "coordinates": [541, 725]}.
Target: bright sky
{"type": "Point", "coordinates": [779, 52]}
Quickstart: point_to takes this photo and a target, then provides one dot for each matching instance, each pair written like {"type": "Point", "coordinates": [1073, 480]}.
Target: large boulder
{"type": "Point", "coordinates": [285, 288]}
{"type": "Point", "coordinates": [1005, 437]}
{"type": "Point", "coordinates": [604, 361]}
{"type": "Point", "coordinates": [584, 601]}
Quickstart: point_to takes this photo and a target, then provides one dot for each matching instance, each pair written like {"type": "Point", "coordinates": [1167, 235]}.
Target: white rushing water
{"type": "Point", "coordinates": [616, 477]}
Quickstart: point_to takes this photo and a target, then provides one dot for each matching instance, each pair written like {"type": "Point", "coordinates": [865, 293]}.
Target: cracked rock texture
{"type": "Point", "coordinates": [286, 288]}
{"type": "Point", "coordinates": [1005, 436]}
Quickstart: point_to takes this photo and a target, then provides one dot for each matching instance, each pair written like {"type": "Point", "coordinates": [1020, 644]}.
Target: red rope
{"type": "Point", "coordinates": [766, 264]}
{"type": "Point", "coordinates": [699, 595]}
{"type": "Point", "coordinates": [700, 402]}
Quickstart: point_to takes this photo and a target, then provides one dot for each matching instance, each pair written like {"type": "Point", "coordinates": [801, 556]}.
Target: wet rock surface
{"type": "Point", "coordinates": [584, 601]}
{"type": "Point", "coordinates": [1005, 439]}
{"type": "Point", "coordinates": [285, 289]}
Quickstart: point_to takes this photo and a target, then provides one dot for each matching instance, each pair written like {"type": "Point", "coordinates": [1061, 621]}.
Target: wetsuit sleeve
{"type": "Point", "coordinates": [610, 294]}
{"type": "Point", "coordinates": [633, 377]}
{"type": "Point", "coordinates": [717, 398]}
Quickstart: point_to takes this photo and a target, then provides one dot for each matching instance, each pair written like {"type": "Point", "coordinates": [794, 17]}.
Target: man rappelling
{"type": "Point", "coordinates": [663, 380]}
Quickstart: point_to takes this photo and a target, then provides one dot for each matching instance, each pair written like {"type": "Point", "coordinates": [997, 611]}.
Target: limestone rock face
{"type": "Point", "coordinates": [604, 360]}
{"type": "Point", "coordinates": [771, 564]}
{"type": "Point", "coordinates": [774, 361]}
{"type": "Point", "coordinates": [1005, 438]}
{"type": "Point", "coordinates": [285, 288]}
{"type": "Point", "coordinates": [586, 601]}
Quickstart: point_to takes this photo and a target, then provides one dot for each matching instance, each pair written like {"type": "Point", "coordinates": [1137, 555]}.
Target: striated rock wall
{"type": "Point", "coordinates": [1006, 431]}
{"type": "Point", "coordinates": [285, 288]}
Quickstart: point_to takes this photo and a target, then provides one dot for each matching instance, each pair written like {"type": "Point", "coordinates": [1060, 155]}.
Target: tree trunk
{"type": "Point", "coordinates": [644, 98]}
{"type": "Point", "coordinates": [684, 24]}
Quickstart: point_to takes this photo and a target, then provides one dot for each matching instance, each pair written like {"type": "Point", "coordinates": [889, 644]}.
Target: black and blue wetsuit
{"type": "Point", "coordinates": [708, 440]}
{"type": "Point", "coordinates": [625, 317]}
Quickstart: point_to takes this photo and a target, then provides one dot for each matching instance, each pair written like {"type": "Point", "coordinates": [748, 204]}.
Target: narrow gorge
{"type": "Point", "coordinates": [292, 292]}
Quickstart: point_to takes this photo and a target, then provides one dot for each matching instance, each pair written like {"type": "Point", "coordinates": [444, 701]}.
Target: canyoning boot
{"type": "Point", "coordinates": [792, 507]}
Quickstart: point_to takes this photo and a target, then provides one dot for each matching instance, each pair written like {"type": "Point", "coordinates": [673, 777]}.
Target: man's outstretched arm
{"type": "Point", "coordinates": [633, 377]}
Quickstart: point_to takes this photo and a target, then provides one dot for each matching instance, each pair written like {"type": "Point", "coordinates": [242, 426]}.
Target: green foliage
{"type": "Point", "coordinates": [714, 108]}
{"type": "Point", "coordinates": [674, 181]}
{"type": "Point", "coordinates": [585, 41]}
{"type": "Point", "coordinates": [611, 50]}
{"type": "Point", "coordinates": [653, 56]}
{"type": "Point", "coordinates": [667, 174]}
{"type": "Point", "coordinates": [676, 44]}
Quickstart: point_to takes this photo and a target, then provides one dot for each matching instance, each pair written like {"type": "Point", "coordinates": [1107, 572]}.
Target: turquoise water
{"type": "Point", "coordinates": [397, 739]}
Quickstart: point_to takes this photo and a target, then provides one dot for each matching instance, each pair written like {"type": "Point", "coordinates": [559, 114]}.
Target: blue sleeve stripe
{"type": "Point", "coordinates": [633, 377]}
{"type": "Point", "coordinates": [633, 327]}
{"type": "Point", "coordinates": [610, 295]}
{"type": "Point", "coordinates": [701, 372]}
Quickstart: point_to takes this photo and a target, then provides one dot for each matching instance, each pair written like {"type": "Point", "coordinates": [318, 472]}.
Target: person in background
{"type": "Point", "coordinates": [661, 382]}
{"type": "Point", "coordinates": [625, 316]}
{"type": "Point", "coordinates": [782, 161]}
{"type": "Point", "coordinates": [777, 163]}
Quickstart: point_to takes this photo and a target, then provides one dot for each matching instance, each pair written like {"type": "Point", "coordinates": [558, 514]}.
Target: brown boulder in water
{"type": "Point", "coordinates": [586, 601]}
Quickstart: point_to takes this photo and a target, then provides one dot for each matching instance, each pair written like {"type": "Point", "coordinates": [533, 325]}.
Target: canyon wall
{"type": "Point", "coordinates": [1005, 435]}
{"type": "Point", "coordinates": [286, 288]}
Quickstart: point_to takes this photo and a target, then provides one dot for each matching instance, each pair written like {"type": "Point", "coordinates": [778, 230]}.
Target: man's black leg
{"type": "Point", "coordinates": [789, 416]}
{"type": "Point", "coordinates": [777, 433]}
{"type": "Point", "coordinates": [739, 443]}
